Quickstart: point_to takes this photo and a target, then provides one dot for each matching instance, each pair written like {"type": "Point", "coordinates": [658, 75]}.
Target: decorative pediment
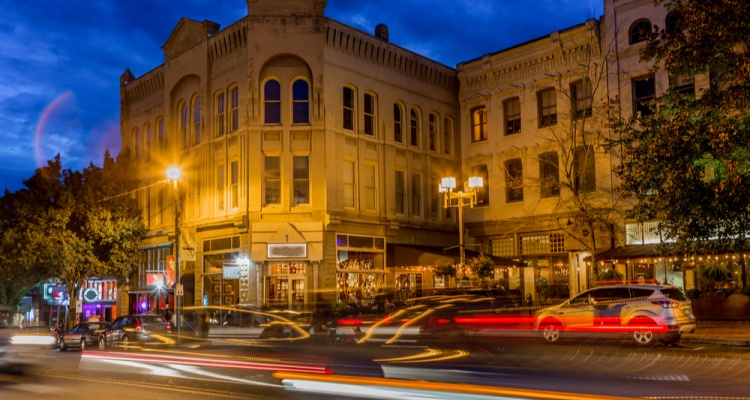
{"type": "Point", "coordinates": [187, 35]}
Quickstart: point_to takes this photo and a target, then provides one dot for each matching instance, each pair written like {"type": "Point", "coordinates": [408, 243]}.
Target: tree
{"type": "Point", "coordinates": [72, 226]}
{"type": "Point", "coordinates": [483, 267]}
{"type": "Point", "coordinates": [688, 163]}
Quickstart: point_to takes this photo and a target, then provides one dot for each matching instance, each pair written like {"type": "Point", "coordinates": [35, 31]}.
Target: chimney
{"type": "Point", "coordinates": [381, 32]}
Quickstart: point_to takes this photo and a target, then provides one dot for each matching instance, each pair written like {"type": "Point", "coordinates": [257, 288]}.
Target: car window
{"type": "Point", "coordinates": [611, 294]}
{"type": "Point", "coordinates": [580, 300]}
{"type": "Point", "coordinates": [639, 293]}
{"type": "Point", "coordinates": [118, 322]}
{"type": "Point", "coordinates": [674, 294]}
{"type": "Point", "coordinates": [152, 319]}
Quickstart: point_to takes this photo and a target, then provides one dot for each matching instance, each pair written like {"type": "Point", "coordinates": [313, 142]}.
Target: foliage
{"type": "Point", "coordinates": [483, 266]}
{"type": "Point", "coordinates": [688, 163]}
{"type": "Point", "coordinates": [445, 267]}
{"type": "Point", "coordinates": [745, 291]}
{"type": "Point", "coordinates": [724, 292]}
{"type": "Point", "coordinates": [610, 276]}
{"type": "Point", "coordinates": [713, 274]}
{"type": "Point", "coordinates": [70, 226]}
{"type": "Point", "coordinates": [693, 293]}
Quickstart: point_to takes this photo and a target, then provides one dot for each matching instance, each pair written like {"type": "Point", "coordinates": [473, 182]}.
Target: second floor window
{"type": "Point", "coordinates": [234, 185]}
{"type": "Point", "coordinates": [197, 121]}
{"type": "Point", "coordinates": [272, 102]}
{"type": "Point", "coordinates": [220, 188]}
{"type": "Point", "coordinates": [585, 172]}
{"type": "Point", "coordinates": [350, 184]}
{"type": "Point", "coordinates": [272, 180]}
{"type": "Point", "coordinates": [416, 195]}
{"type": "Point", "coordinates": [514, 180]}
{"type": "Point", "coordinates": [348, 109]}
{"type": "Point", "coordinates": [399, 188]}
{"type": "Point", "coordinates": [483, 193]}
{"type": "Point", "coordinates": [547, 108]}
{"type": "Point", "coordinates": [644, 91]}
{"type": "Point", "coordinates": [582, 97]}
{"type": "Point", "coordinates": [301, 179]}
{"type": "Point", "coordinates": [220, 122]}
{"type": "Point", "coordinates": [370, 121]}
{"type": "Point", "coordinates": [234, 109]}
{"type": "Point", "coordinates": [479, 124]}
{"type": "Point", "coordinates": [371, 189]}
{"type": "Point", "coordinates": [512, 116]}
{"type": "Point", "coordinates": [300, 102]}
{"type": "Point", "coordinates": [433, 135]}
{"type": "Point", "coordinates": [398, 123]}
{"type": "Point", "coordinates": [549, 174]}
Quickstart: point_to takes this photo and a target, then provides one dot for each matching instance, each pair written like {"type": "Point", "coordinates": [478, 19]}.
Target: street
{"type": "Point", "coordinates": [691, 370]}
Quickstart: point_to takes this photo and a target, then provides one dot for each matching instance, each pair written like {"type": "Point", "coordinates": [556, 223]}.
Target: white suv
{"type": "Point", "coordinates": [644, 313]}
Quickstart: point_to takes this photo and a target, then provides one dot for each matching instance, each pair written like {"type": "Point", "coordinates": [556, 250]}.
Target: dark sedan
{"type": "Point", "coordinates": [83, 335]}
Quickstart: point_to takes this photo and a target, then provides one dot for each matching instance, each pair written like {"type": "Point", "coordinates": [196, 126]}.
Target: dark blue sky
{"type": "Point", "coordinates": [60, 62]}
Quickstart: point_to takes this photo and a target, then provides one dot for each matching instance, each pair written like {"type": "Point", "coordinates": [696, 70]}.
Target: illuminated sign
{"type": "Point", "coordinates": [287, 250]}
{"type": "Point", "coordinates": [155, 279]}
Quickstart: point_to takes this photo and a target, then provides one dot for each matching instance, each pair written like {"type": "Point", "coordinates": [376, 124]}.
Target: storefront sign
{"type": "Point", "coordinates": [231, 271]}
{"type": "Point", "coordinates": [155, 279]}
{"type": "Point", "coordinates": [90, 294]}
{"type": "Point", "coordinates": [287, 250]}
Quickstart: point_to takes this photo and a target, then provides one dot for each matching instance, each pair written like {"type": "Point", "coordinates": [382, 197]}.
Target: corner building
{"type": "Point", "coordinates": [306, 148]}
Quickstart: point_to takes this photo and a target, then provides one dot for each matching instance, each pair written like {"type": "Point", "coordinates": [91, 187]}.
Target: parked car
{"type": "Point", "coordinates": [82, 335]}
{"type": "Point", "coordinates": [136, 329]}
{"type": "Point", "coordinates": [647, 314]}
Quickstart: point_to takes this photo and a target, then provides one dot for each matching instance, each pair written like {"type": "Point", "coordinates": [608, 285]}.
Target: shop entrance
{"type": "Point", "coordinates": [284, 287]}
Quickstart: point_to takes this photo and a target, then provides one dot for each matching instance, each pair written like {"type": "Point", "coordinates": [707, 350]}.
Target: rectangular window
{"type": "Point", "coordinates": [581, 94]}
{"type": "Point", "coordinates": [549, 174]}
{"type": "Point", "coordinates": [371, 188]}
{"type": "Point", "coordinates": [220, 114]}
{"type": "Point", "coordinates": [220, 187]}
{"type": "Point", "coordinates": [400, 204]}
{"type": "Point", "coordinates": [503, 246]}
{"type": "Point", "coordinates": [148, 150]}
{"type": "Point", "coordinates": [348, 109]}
{"type": "Point", "coordinates": [448, 136]}
{"type": "Point", "coordinates": [234, 189]}
{"type": "Point", "coordinates": [483, 193]}
{"type": "Point", "coordinates": [644, 91]}
{"type": "Point", "coordinates": [479, 125]}
{"type": "Point", "coordinates": [272, 180]}
{"type": "Point", "coordinates": [301, 178]}
{"type": "Point", "coordinates": [234, 109]}
{"type": "Point", "coordinates": [547, 108]}
{"type": "Point", "coordinates": [585, 174]}
{"type": "Point", "coordinates": [370, 119]}
{"type": "Point", "coordinates": [512, 116]}
{"type": "Point", "coordinates": [514, 180]}
{"type": "Point", "coordinates": [435, 198]}
{"type": "Point", "coordinates": [350, 184]}
{"type": "Point", "coordinates": [433, 132]}
{"type": "Point", "coordinates": [416, 195]}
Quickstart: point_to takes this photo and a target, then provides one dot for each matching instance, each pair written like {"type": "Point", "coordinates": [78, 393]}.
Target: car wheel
{"type": "Point", "coordinates": [83, 344]}
{"type": "Point", "coordinates": [102, 342]}
{"type": "Point", "coordinates": [644, 338]}
{"type": "Point", "coordinates": [551, 331]}
{"type": "Point", "coordinates": [125, 341]}
{"type": "Point", "coordinates": [62, 345]}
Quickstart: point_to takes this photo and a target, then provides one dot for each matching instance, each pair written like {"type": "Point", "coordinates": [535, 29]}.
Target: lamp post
{"type": "Point", "coordinates": [447, 188]}
{"type": "Point", "coordinates": [173, 173]}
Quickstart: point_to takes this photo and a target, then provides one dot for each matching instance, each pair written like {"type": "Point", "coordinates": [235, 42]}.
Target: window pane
{"type": "Point", "coordinates": [550, 175]}
{"type": "Point", "coordinates": [348, 109]}
{"type": "Point", "coordinates": [369, 114]}
{"type": "Point", "coordinates": [349, 184]}
{"type": "Point", "coordinates": [547, 108]}
{"type": "Point", "coordinates": [301, 102]}
{"type": "Point", "coordinates": [512, 116]}
{"type": "Point", "coordinates": [479, 125]}
{"type": "Point", "coordinates": [235, 112]}
{"type": "Point", "coordinates": [272, 175]}
{"type": "Point", "coordinates": [272, 96]}
{"type": "Point", "coordinates": [414, 129]}
{"type": "Point", "coordinates": [398, 124]}
{"type": "Point", "coordinates": [301, 177]}
{"type": "Point", "coordinates": [514, 180]}
{"type": "Point", "coordinates": [399, 189]}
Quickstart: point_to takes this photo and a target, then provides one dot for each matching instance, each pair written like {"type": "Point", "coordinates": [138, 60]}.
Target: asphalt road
{"type": "Point", "coordinates": [687, 371]}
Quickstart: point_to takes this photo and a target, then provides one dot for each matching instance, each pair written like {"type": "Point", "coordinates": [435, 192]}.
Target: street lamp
{"type": "Point", "coordinates": [447, 188]}
{"type": "Point", "coordinates": [173, 173]}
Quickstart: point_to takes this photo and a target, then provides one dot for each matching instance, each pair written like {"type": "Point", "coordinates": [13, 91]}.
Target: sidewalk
{"type": "Point", "coordinates": [727, 333]}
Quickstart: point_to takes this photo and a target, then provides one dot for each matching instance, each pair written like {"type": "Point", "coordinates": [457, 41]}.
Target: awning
{"type": "Point", "coordinates": [404, 255]}
{"type": "Point", "coordinates": [634, 251]}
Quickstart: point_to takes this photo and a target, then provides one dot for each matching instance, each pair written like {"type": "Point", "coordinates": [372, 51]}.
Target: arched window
{"type": "Point", "coordinates": [433, 131]}
{"type": "Point", "coordinates": [639, 31]}
{"type": "Point", "coordinates": [398, 123]}
{"type": "Point", "coordinates": [197, 121]}
{"type": "Point", "coordinates": [349, 108]}
{"type": "Point", "coordinates": [272, 102]}
{"type": "Point", "coordinates": [234, 108]}
{"type": "Point", "coordinates": [220, 108]}
{"type": "Point", "coordinates": [300, 102]}
{"type": "Point", "coordinates": [183, 124]}
{"type": "Point", "coordinates": [673, 21]}
{"type": "Point", "coordinates": [414, 128]}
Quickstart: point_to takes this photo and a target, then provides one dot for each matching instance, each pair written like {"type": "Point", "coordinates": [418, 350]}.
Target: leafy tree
{"type": "Point", "coordinates": [445, 267]}
{"type": "Point", "coordinates": [72, 225]}
{"type": "Point", "coordinates": [483, 266]}
{"type": "Point", "coordinates": [712, 275]}
{"type": "Point", "coordinates": [610, 276]}
{"type": "Point", "coordinates": [688, 163]}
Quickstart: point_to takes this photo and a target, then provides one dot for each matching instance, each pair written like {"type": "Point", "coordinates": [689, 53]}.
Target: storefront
{"type": "Point", "coordinates": [360, 269]}
{"type": "Point", "coordinates": [99, 299]}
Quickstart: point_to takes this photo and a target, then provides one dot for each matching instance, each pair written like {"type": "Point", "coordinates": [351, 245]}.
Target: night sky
{"type": "Point", "coordinates": [60, 62]}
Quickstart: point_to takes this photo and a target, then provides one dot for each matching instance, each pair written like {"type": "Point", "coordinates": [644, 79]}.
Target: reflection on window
{"type": "Point", "coordinates": [514, 180]}
{"type": "Point", "coordinates": [512, 116]}
{"type": "Point", "coordinates": [370, 119]}
{"type": "Point", "coordinates": [547, 108]}
{"type": "Point", "coordinates": [398, 124]}
{"type": "Point", "coordinates": [479, 124]}
{"type": "Point", "coordinates": [348, 109]}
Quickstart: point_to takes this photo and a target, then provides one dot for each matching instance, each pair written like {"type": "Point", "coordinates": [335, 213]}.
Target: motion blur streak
{"type": "Point", "coordinates": [383, 388]}
{"type": "Point", "coordinates": [205, 362]}
{"type": "Point", "coordinates": [424, 357]}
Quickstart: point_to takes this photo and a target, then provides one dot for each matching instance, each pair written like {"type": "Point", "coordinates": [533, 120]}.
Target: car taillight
{"type": "Point", "coordinates": [667, 303]}
{"type": "Point", "coordinates": [138, 327]}
{"type": "Point", "coordinates": [439, 320]}
{"type": "Point", "coordinates": [169, 327]}
{"type": "Point", "coordinates": [350, 321]}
